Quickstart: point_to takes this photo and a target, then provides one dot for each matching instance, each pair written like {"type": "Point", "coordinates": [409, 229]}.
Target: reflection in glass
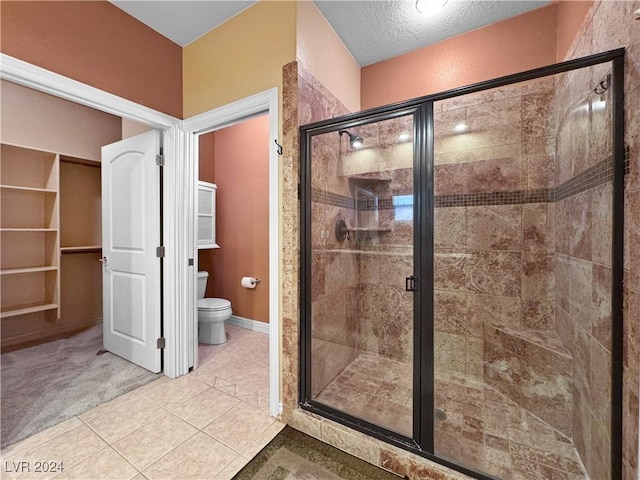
{"type": "Point", "coordinates": [362, 318]}
{"type": "Point", "coordinates": [523, 272]}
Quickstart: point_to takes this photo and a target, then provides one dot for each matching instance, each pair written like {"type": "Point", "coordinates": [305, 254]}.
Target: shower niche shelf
{"type": "Point", "coordinates": [365, 229]}
{"type": "Point", "coordinates": [342, 231]}
{"type": "Point", "coordinates": [367, 179]}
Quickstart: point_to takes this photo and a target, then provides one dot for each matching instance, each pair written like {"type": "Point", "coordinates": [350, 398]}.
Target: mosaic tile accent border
{"type": "Point", "coordinates": [333, 199]}
{"type": "Point", "coordinates": [540, 195]}
{"type": "Point", "coordinates": [590, 178]}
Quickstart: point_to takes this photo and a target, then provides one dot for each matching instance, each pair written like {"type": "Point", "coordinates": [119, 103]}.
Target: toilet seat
{"type": "Point", "coordinates": [213, 304]}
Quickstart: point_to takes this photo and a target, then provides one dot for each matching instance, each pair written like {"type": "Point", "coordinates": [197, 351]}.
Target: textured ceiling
{"type": "Point", "coordinates": [381, 29]}
{"type": "Point", "coordinates": [182, 21]}
{"type": "Point", "coordinates": [372, 30]}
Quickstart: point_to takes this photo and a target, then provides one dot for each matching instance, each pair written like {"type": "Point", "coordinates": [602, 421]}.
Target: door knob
{"type": "Point", "coordinates": [103, 260]}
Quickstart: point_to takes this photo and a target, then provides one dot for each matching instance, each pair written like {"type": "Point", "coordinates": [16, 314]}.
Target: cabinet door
{"type": "Point", "coordinates": [207, 215]}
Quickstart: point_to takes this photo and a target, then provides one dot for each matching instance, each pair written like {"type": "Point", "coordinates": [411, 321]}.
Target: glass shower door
{"type": "Point", "coordinates": [361, 264]}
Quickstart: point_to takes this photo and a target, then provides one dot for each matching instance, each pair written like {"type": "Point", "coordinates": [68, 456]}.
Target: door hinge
{"type": "Point", "coordinates": [161, 343]}
{"type": "Point", "coordinates": [299, 192]}
{"type": "Point", "coordinates": [160, 160]}
{"type": "Point", "coordinates": [160, 252]}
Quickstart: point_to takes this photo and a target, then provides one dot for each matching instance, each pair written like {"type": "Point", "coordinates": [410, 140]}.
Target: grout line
{"type": "Point", "coordinates": [164, 455]}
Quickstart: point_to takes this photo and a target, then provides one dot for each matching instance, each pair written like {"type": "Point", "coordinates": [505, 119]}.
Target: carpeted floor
{"type": "Point", "coordinates": [292, 455]}
{"type": "Point", "coordinates": [46, 384]}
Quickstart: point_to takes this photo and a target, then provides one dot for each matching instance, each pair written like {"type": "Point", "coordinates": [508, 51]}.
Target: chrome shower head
{"type": "Point", "coordinates": [354, 140]}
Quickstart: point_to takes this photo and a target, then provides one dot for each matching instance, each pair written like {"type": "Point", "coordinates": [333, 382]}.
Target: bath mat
{"type": "Point", "coordinates": [49, 383]}
{"type": "Point", "coordinates": [292, 455]}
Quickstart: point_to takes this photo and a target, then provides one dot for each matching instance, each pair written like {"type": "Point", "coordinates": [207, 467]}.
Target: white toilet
{"type": "Point", "coordinates": [212, 312]}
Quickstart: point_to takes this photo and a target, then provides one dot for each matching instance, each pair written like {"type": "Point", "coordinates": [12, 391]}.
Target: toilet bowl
{"type": "Point", "coordinates": [212, 313]}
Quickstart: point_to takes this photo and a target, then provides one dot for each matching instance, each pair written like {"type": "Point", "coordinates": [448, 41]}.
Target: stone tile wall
{"type": "Point", "coordinates": [335, 268]}
{"type": "Point", "coordinates": [583, 260]}
{"type": "Point", "coordinates": [583, 249]}
{"type": "Point", "coordinates": [494, 247]}
{"type": "Point", "coordinates": [608, 25]}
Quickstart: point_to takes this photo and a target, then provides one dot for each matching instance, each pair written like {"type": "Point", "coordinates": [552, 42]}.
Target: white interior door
{"type": "Point", "coordinates": [130, 236]}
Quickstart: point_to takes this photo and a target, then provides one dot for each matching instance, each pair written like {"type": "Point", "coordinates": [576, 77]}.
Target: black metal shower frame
{"type": "Point", "coordinates": [422, 441]}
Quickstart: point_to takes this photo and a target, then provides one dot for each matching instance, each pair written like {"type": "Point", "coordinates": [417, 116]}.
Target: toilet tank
{"type": "Point", "coordinates": [202, 283]}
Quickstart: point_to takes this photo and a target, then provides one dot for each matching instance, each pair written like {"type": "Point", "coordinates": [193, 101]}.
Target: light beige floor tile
{"type": "Point", "coordinates": [204, 408]}
{"type": "Point", "coordinates": [263, 439]}
{"type": "Point", "coordinates": [41, 437]}
{"type": "Point", "coordinates": [239, 426]}
{"type": "Point", "coordinates": [124, 419]}
{"type": "Point", "coordinates": [116, 402]}
{"type": "Point", "coordinates": [263, 402]}
{"type": "Point", "coordinates": [204, 376]}
{"type": "Point", "coordinates": [107, 464]}
{"type": "Point", "coordinates": [221, 382]}
{"type": "Point", "coordinates": [252, 382]}
{"type": "Point", "coordinates": [232, 469]}
{"type": "Point", "coordinates": [201, 457]}
{"type": "Point", "coordinates": [140, 476]}
{"type": "Point", "coordinates": [176, 391]}
{"type": "Point", "coordinates": [70, 448]}
{"type": "Point", "coordinates": [154, 384]}
{"type": "Point", "coordinates": [251, 399]}
{"type": "Point", "coordinates": [257, 386]}
{"type": "Point", "coordinates": [229, 389]}
{"type": "Point", "coordinates": [223, 367]}
{"type": "Point", "coordinates": [151, 442]}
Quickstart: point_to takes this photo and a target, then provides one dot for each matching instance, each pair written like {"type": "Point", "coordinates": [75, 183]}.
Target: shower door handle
{"type": "Point", "coordinates": [410, 284]}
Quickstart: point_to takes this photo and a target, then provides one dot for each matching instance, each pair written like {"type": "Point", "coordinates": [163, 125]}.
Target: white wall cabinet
{"type": "Point", "coordinates": [207, 215]}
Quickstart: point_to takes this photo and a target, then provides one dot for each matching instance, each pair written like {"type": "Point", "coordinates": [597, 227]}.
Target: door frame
{"type": "Point", "coordinates": [178, 231]}
{"type": "Point", "coordinates": [225, 116]}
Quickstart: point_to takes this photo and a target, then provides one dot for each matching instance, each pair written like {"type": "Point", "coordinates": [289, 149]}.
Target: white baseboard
{"type": "Point", "coordinates": [249, 324]}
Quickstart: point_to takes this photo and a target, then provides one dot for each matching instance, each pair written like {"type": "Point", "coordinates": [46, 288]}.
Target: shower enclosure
{"type": "Point", "coordinates": [462, 273]}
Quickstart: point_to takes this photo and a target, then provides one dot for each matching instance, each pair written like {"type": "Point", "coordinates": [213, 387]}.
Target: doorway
{"type": "Point", "coordinates": [262, 104]}
{"type": "Point", "coordinates": [52, 288]}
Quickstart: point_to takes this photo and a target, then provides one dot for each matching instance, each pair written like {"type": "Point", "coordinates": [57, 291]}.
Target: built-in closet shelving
{"type": "Point", "coordinates": [80, 238]}
{"type": "Point", "coordinates": [50, 235]}
{"type": "Point", "coordinates": [29, 233]}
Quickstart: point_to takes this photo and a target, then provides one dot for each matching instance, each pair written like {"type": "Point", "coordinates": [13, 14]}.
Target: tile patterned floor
{"type": "Point", "coordinates": [376, 389]}
{"type": "Point", "coordinates": [205, 425]}
{"type": "Point", "coordinates": [483, 429]}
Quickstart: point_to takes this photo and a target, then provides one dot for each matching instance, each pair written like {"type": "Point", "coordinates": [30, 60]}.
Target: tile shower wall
{"type": "Point", "coordinates": [383, 170]}
{"type": "Point", "coordinates": [494, 246]}
{"type": "Point", "coordinates": [583, 257]}
{"type": "Point", "coordinates": [608, 25]}
{"type": "Point", "coordinates": [358, 297]}
{"type": "Point", "coordinates": [335, 269]}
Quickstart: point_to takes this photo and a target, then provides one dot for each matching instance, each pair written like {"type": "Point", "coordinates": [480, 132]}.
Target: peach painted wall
{"type": "Point", "coordinates": [131, 128]}
{"type": "Point", "coordinates": [570, 16]}
{"type": "Point", "coordinates": [34, 119]}
{"type": "Point", "coordinates": [514, 45]}
{"type": "Point", "coordinates": [240, 169]}
{"type": "Point", "coordinates": [241, 57]}
{"type": "Point", "coordinates": [98, 44]}
{"type": "Point", "coordinates": [323, 54]}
